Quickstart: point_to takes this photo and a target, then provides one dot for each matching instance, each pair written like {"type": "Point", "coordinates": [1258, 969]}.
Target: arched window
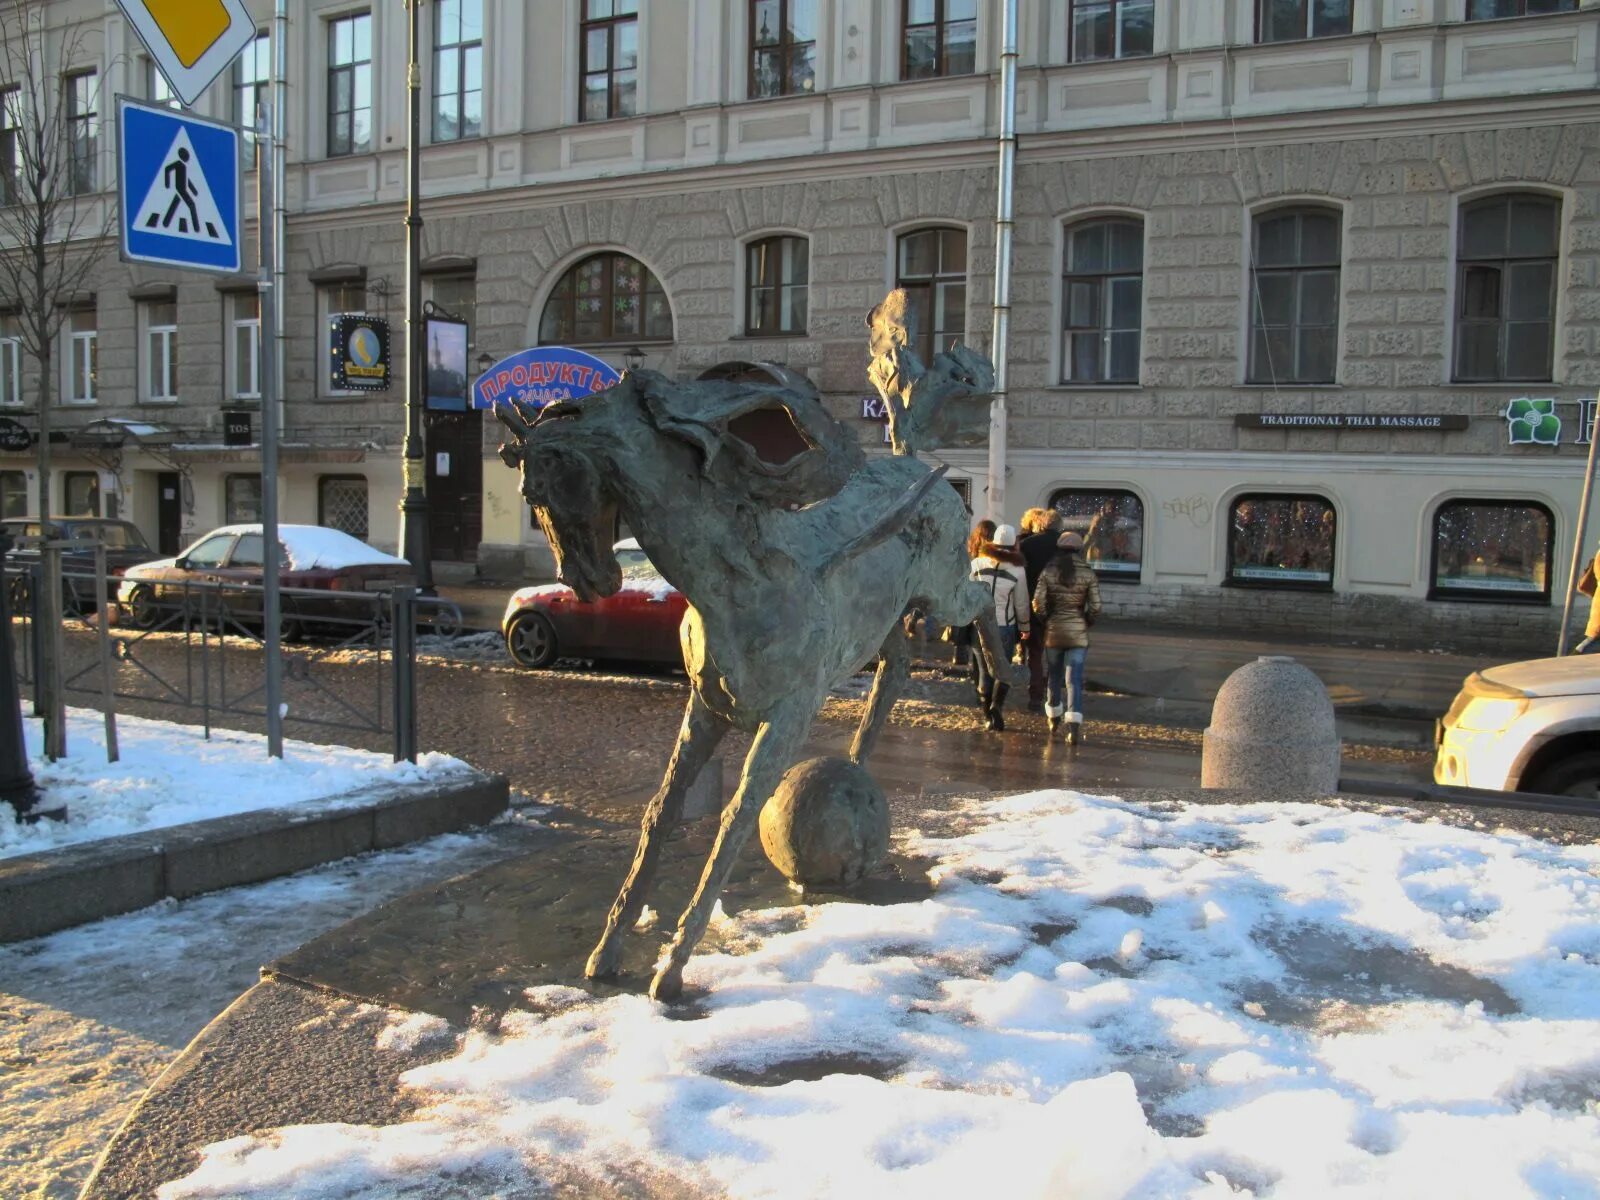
{"type": "Point", "coordinates": [1281, 541]}
{"type": "Point", "coordinates": [606, 298]}
{"type": "Point", "coordinates": [932, 268]}
{"type": "Point", "coordinates": [1294, 296]}
{"type": "Point", "coordinates": [777, 278]}
{"type": "Point", "coordinates": [1102, 294]}
{"type": "Point", "coordinates": [1111, 522]}
{"type": "Point", "coordinates": [1492, 550]}
{"type": "Point", "coordinates": [1506, 288]}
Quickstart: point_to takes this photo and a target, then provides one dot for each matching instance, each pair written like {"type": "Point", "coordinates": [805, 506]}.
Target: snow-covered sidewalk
{"type": "Point", "coordinates": [1101, 1000]}
{"type": "Point", "coordinates": [171, 774]}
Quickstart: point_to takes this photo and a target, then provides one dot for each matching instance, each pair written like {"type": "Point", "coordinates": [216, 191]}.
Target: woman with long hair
{"type": "Point", "coordinates": [998, 567]}
{"type": "Point", "coordinates": [1065, 603]}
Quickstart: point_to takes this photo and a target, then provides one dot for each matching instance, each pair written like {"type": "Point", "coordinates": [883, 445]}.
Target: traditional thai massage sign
{"type": "Point", "coordinates": [541, 376]}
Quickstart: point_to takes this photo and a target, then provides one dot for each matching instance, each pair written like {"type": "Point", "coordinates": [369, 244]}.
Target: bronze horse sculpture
{"type": "Point", "coordinates": [798, 555]}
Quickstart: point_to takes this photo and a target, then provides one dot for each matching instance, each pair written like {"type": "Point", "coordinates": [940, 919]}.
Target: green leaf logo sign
{"type": "Point", "coordinates": [1533, 422]}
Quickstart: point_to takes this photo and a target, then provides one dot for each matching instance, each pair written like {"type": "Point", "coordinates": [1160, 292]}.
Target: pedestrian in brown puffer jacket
{"type": "Point", "coordinates": [1065, 603]}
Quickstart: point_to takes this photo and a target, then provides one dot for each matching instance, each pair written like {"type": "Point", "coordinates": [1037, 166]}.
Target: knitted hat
{"type": "Point", "coordinates": [1005, 535]}
{"type": "Point", "coordinates": [1070, 541]}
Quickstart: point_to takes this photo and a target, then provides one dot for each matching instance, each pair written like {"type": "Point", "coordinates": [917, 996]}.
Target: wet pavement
{"type": "Point", "coordinates": [1187, 666]}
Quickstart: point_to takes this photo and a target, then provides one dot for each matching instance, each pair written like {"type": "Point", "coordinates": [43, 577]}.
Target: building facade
{"type": "Point", "coordinates": [1305, 295]}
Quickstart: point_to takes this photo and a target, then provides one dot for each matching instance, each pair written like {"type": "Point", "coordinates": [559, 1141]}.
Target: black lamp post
{"type": "Point", "coordinates": [16, 780]}
{"type": "Point", "coordinates": [415, 544]}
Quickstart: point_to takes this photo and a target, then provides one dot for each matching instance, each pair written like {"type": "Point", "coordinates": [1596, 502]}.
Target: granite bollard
{"type": "Point", "coordinates": [1272, 729]}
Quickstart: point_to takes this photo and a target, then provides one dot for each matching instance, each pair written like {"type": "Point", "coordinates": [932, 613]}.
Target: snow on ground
{"type": "Point", "coordinates": [152, 784]}
{"type": "Point", "coordinates": [1099, 1001]}
{"type": "Point", "coordinates": [90, 1016]}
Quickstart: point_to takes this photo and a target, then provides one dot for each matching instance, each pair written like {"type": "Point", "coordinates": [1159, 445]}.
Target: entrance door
{"type": "Point", "coordinates": [455, 484]}
{"type": "Point", "coordinates": [169, 512]}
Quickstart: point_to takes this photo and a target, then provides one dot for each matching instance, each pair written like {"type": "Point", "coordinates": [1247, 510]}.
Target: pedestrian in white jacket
{"type": "Point", "coordinates": [998, 566]}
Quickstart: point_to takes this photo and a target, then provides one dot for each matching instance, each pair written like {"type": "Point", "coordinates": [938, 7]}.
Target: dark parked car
{"type": "Point", "coordinates": [312, 558]}
{"type": "Point", "coordinates": [639, 623]}
{"type": "Point", "coordinates": [125, 547]}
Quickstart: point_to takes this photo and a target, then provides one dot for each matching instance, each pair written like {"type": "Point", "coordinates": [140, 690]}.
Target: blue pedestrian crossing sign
{"type": "Point", "coordinates": [180, 182]}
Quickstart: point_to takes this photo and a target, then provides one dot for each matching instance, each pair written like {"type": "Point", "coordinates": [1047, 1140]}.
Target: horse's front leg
{"type": "Point", "coordinates": [702, 732]}
{"type": "Point", "coordinates": [772, 752]}
{"type": "Point", "coordinates": [894, 670]}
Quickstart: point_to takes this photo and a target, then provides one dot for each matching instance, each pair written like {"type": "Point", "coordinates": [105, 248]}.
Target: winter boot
{"type": "Point", "coordinates": [984, 688]}
{"type": "Point", "coordinates": [1052, 716]}
{"type": "Point", "coordinates": [997, 704]}
{"type": "Point", "coordinates": [1074, 729]}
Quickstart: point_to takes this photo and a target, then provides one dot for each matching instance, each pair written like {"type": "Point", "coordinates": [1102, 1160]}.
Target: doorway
{"type": "Point", "coordinates": [455, 484]}
{"type": "Point", "coordinates": [169, 512]}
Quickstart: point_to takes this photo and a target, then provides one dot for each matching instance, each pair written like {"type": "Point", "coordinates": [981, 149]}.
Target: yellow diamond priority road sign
{"type": "Point", "coordinates": [191, 41]}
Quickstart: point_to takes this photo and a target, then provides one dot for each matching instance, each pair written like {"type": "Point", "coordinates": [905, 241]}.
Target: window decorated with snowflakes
{"type": "Point", "coordinates": [1495, 550]}
{"type": "Point", "coordinates": [606, 298]}
{"type": "Point", "coordinates": [1533, 422]}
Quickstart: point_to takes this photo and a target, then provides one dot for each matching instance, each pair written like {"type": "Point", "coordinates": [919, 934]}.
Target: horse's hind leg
{"type": "Point", "coordinates": [772, 752]}
{"type": "Point", "coordinates": [894, 670]}
{"type": "Point", "coordinates": [702, 732]}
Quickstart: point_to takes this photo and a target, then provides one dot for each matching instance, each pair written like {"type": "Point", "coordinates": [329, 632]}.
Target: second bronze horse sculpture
{"type": "Point", "coordinates": [798, 554]}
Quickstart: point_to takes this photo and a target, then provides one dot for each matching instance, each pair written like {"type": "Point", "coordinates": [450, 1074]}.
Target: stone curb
{"type": "Point", "coordinates": [56, 889]}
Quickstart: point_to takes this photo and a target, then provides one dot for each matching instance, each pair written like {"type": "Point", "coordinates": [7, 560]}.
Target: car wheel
{"type": "Point", "coordinates": [141, 608]}
{"type": "Point", "coordinates": [1578, 775]}
{"type": "Point", "coordinates": [531, 639]}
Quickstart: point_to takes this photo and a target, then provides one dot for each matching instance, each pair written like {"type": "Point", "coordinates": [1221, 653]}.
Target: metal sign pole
{"type": "Point", "coordinates": [272, 632]}
{"type": "Point", "coordinates": [999, 349]}
{"type": "Point", "coordinates": [1578, 534]}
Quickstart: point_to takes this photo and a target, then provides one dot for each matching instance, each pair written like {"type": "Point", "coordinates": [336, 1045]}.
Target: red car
{"type": "Point", "coordinates": [639, 623]}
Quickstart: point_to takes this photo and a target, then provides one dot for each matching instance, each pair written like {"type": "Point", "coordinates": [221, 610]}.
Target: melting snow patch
{"type": "Point", "coordinates": [1190, 1025]}
{"type": "Point", "coordinates": [153, 785]}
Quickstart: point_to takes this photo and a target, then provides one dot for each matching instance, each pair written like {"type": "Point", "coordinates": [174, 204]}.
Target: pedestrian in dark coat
{"type": "Point", "coordinates": [1038, 547]}
{"type": "Point", "coordinates": [1065, 603]}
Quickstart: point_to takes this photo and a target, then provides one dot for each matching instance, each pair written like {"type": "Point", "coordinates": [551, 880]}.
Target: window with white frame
{"type": "Point", "coordinates": [940, 38]}
{"type": "Point", "coordinates": [244, 345]}
{"type": "Point", "coordinates": [1507, 252]}
{"type": "Point", "coordinates": [350, 85]}
{"type": "Point", "coordinates": [159, 320]}
{"type": "Point", "coordinates": [13, 494]}
{"type": "Point", "coordinates": [81, 94]}
{"type": "Point", "coordinates": [608, 59]}
{"type": "Point", "coordinates": [349, 298]}
{"type": "Point", "coordinates": [156, 88]}
{"type": "Point", "coordinates": [11, 151]}
{"type": "Point", "coordinates": [457, 69]}
{"type": "Point", "coordinates": [1291, 20]}
{"type": "Point", "coordinates": [80, 493]}
{"type": "Point", "coordinates": [778, 273]}
{"type": "Point", "coordinates": [252, 72]}
{"type": "Point", "coordinates": [1493, 10]}
{"type": "Point", "coordinates": [1104, 29]}
{"type": "Point", "coordinates": [10, 359]}
{"type": "Point", "coordinates": [83, 357]}
{"type": "Point", "coordinates": [931, 266]}
{"type": "Point", "coordinates": [783, 47]}
{"type": "Point", "coordinates": [241, 499]}
{"type": "Point", "coordinates": [1294, 296]}
{"type": "Point", "coordinates": [1102, 301]}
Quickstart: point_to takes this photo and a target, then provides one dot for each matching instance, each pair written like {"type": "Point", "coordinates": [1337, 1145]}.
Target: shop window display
{"type": "Point", "coordinates": [1112, 526]}
{"type": "Point", "coordinates": [1277, 541]}
{"type": "Point", "coordinates": [1491, 550]}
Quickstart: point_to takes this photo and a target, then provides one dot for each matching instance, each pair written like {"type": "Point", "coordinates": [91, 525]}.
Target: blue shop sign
{"type": "Point", "coordinates": [542, 376]}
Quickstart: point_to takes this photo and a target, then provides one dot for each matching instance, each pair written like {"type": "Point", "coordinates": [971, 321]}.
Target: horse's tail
{"type": "Point", "coordinates": [890, 522]}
